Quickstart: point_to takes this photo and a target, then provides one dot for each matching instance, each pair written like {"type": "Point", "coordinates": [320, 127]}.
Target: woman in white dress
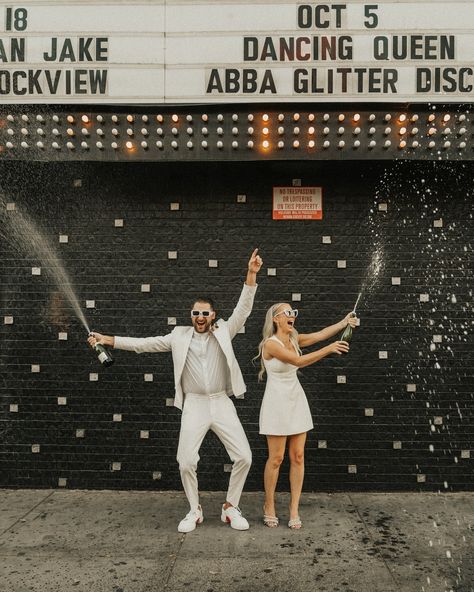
{"type": "Point", "coordinates": [285, 415]}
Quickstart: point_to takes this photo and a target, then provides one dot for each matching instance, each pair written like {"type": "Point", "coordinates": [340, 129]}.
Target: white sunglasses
{"type": "Point", "coordinates": [201, 313]}
{"type": "Point", "coordinates": [288, 313]}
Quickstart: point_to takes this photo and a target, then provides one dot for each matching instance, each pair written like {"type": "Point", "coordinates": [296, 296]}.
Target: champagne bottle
{"type": "Point", "coordinates": [346, 335]}
{"type": "Point", "coordinates": [104, 355]}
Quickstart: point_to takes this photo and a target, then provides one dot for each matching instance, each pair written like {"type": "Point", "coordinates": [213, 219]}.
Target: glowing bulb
{"type": "Point", "coordinates": [341, 144]}
{"type": "Point", "coordinates": [296, 144]}
{"type": "Point", "coordinates": [250, 117]}
{"type": "Point", "coordinates": [204, 144]}
{"type": "Point", "coordinates": [326, 131]}
{"type": "Point", "coordinates": [204, 117]}
{"type": "Point", "coordinates": [296, 131]}
{"type": "Point", "coordinates": [281, 144]}
{"type": "Point", "coordinates": [357, 117]}
{"type": "Point", "coordinates": [402, 130]}
{"type": "Point", "coordinates": [70, 119]}
{"type": "Point", "coordinates": [311, 144]}
{"type": "Point", "coordinates": [235, 117]}
{"type": "Point", "coordinates": [220, 145]}
{"type": "Point", "coordinates": [402, 145]}
{"type": "Point", "coordinates": [341, 117]}
{"type": "Point", "coordinates": [189, 131]}
{"type": "Point", "coordinates": [431, 117]}
{"type": "Point", "coordinates": [85, 119]}
{"type": "Point", "coordinates": [311, 131]}
{"type": "Point", "coordinates": [144, 144]}
{"type": "Point", "coordinates": [326, 117]}
{"type": "Point", "coordinates": [174, 118]}
{"type": "Point", "coordinates": [265, 144]}
{"type": "Point", "coordinates": [446, 118]}
{"type": "Point", "coordinates": [265, 131]}
{"type": "Point", "coordinates": [189, 144]}
{"type": "Point", "coordinates": [340, 131]}
{"type": "Point", "coordinates": [159, 118]}
{"type": "Point", "coordinates": [311, 117]}
{"type": "Point", "coordinates": [402, 118]}
{"type": "Point", "coordinates": [431, 131]}
{"type": "Point", "coordinates": [356, 131]}
{"type": "Point", "coordinates": [414, 118]}
{"type": "Point", "coordinates": [281, 117]}
{"type": "Point", "coordinates": [189, 118]}
{"type": "Point", "coordinates": [204, 131]}
{"type": "Point", "coordinates": [235, 145]}
{"type": "Point", "coordinates": [130, 118]}
{"type": "Point", "coordinates": [250, 144]}
{"type": "Point", "coordinates": [296, 116]}
{"type": "Point", "coordinates": [326, 144]}
{"type": "Point", "coordinates": [145, 118]}
{"type": "Point", "coordinates": [281, 130]}
{"type": "Point", "coordinates": [265, 117]}
{"type": "Point", "coordinates": [144, 131]}
{"type": "Point", "coordinates": [70, 131]}
{"type": "Point", "coordinates": [357, 144]}
{"type": "Point", "coordinates": [387, 144]}
{"type": "Point", "coordinates": [129, 145]}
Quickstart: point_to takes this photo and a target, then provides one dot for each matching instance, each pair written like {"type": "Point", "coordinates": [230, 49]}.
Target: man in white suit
{"type": "Point", "coordinates": [206, 374]}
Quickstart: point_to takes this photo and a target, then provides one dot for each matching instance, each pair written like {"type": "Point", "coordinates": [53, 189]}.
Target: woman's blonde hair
{"type": "Point", "coordinates": [269, 329]}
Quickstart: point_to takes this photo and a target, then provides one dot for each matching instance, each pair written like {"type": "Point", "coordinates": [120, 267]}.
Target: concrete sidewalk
{"type": "Point", "coordinates": [94, 541]}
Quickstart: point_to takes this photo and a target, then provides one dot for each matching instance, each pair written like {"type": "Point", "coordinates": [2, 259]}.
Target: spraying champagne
{"type": "Point", "coordinates": [105, 357]}
{"type": "Point", "coordinates": [346, 335]}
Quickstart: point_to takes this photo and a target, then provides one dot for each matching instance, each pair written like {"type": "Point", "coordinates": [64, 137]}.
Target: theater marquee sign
{"type": "Point", "coordinates": [261, 51]}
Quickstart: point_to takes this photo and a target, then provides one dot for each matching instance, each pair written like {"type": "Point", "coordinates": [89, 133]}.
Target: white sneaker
{"type": "Point", "coordinates": [234, 517]}
{"type": "Point", "coordinates": [188, 523]}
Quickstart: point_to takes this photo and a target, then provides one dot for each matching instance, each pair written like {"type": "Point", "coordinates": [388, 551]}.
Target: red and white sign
{"type": "Point", "coordinates": [297, 203]}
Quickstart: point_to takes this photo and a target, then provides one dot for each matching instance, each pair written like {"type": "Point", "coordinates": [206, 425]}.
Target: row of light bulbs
{"type": "Point", "coordinates": [265, 117]}
{"type": "Point", "coordinates": [265, 145]}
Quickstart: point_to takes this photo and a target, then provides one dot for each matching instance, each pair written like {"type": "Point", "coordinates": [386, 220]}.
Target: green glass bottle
{"type": "Point", "coordinates": [104, 355]}
{"type": "Point", "coordinates": [346, 335]}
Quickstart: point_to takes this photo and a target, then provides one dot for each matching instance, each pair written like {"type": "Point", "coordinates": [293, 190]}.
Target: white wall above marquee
{"type": "Point", "coordinates": [236, 52]}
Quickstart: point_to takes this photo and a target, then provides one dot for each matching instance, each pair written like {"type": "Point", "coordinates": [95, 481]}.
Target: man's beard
{"type": "Point", "coordinates": [204, 328]}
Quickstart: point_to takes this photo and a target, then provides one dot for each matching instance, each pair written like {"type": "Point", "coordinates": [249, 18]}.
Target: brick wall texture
{"type": "Point", "coordinates": [396, 413]}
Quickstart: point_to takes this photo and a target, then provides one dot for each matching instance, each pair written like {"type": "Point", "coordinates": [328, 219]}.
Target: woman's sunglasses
{"type": "Point", "coordinates": [288, 313]}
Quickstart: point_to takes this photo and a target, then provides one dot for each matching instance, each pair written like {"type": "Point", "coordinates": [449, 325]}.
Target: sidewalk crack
{"type": "Point", "coordinates": [25, 515]}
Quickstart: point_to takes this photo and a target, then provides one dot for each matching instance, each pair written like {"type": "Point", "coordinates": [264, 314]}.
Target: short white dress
{"type": "Point", "coordinates": [285, 410]}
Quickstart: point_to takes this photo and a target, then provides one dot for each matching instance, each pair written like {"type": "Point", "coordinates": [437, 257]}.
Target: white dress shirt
{"type": "Point", "coordinates": [204, 371]}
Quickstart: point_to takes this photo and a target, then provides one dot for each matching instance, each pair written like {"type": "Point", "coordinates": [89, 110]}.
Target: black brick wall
{"type": "Point", "coordinates": [109, 264]}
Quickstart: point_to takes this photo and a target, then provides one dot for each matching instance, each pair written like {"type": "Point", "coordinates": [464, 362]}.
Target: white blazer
{"type": "Point", "coordinates": [179, 339]}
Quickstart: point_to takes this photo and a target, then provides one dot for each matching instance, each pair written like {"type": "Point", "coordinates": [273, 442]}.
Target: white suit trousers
{"type": "Point", "coordinates": [202, 413]}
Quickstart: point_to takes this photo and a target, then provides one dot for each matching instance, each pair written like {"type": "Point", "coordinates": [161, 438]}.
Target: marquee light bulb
{"type": "Point", "coordinates": [9, 145]}
{"type": "Point", "coordinates": [25, 118]}
{"type": "Point", "coordinates": [446, 118]}
{"type": "Point", "coordinates": [24, 144]}
{"type": "Point", "coordinates": [326, 117]}
{"type": "Point", "coordinates": [372, 131]}
{"type": "Point", "coordinates": [402, 145]}
{"type": "Point", "coordinates": [99, 145]}
{"type": "Point", "coordinates": [387, 130]}
{"type": "Point", "coordinates": [174, 131]}
{"type": "Point", "coordinates": [204, 131]}
{"type": "Point", "coordinates": [326, 131]}
{"type": "Point", "coordinates": [265, 131]}
{"type": "Point", "coordinates": [250, 117]}
{"type": "Point", "coordinates": [189, 131]}
{"type": "Point", "coordinates": [115, 131]}
{"type": "Point", "coordinates": [296, 131]}
{"type": "Point", "coordinates": [85, 145]}
{"type": "Point", "coordinates": [55, 118]}
{"type": "Point", "coordinates": [70, 145]}
{"type": "Point", "coordinates": [414, 118]}
{"type": "Point", "coordinates": [356, 117]}
{"type": "Point", "coordinates": [40, 131]}
{"type": "Point", "coordinates": [159, 118]}
{"type": "Point", "coordinates": [24, 131]}
{"type": "Point", "coordinates": [130, 118]}
{"type": "Point", "coordinates": [220, 117]}
{"type": "Point", "coordinates": [265, 117]}
{"type": "Point", "coordinates": [235, 131]}
{"type": "Point", "coordinates": [189, 144]}
{"type": "Point", "coordinates": [40, 144]}
{"type": "Point", "coordinates": [431, 117]}
{"type": "Point", "coordinates": [84, 131]}
{"type": "Point", "coordinates": [204, 117]}
{"type": "Point", "coordinates": [85, 119]}
{"type": "Point", "coordinates": [10, 117]}
{"type": "Point", "coordinates": [144, 131]}
{"type": "Point", "coordinates": [100, 131]}
{"type": "Point", "coordinates": [326, 144]}
{"type": "Point", "coordinates": [311, 130]}
{"type": "Point", "coordinates": [387, 117]}
{"type": "Point", "coordinates": [281, 144]}
{"type": "Point", "coordinates": [357, 144]}
{"type": "Point", "coordinates": [462, 117]}
{"type": "Point", "coordinates": [311, 144]}
{"type": "Point", "coordinates": [462, 144]}
{"type": "Point", "coordinates": [414, 131]}
{"type": "Point", "coordinates": [357, 131]}
{"type": "Point", "coordinates": [281, 130]}
{"type": "Point", "coordinates": [311, 117]}
{"type": "Point", "coordinates": [431, 131]}
{"type": "Point", "coordinates": [204, 144]}
{"type": "Point", "coordinates": [174, 144]}
{"type": "Point", "coordinates": [10, 132]}
{"type": "Point", "coordinates": [447, 144]}
{"type": "Point", "coordinates": [341, 117]}
{"type": "Point", "coordinates": [114, 118]}
{"type": "Point", "coordinates": [372, 144]}
{"type": "Point", "coordinates": [340, 131]}
{"type": "Point", "coordinates": [70, 119]}
{"type": "Point", "coordinates": [189, 118]}
{"type": "Point", "coordinates": [145, 118]}
{"type": "Point", "coordinates": [387, 144]}
{"type": "Point", "coordinates": [55, 145]}
{"type": "Point", "coordinates": [415, 144]}
{"type": "Point", "coordinates": [40, 118]}
{"type": "Point", "coordinates": [174, 118]}
{"type": "Point", "coordinates": [220, 131]}
{"type": "Point", "coordinates": [281, 117]}
{"type": "Point", "coordinates": [114, 145]}
{"type": "Point", "coordinates": [55, 132]}
{"type": "Point", "coordinates": [402, 118]}
{"type": "Point", "coordinates": [250, 144]}
{"type": "Point", "coordinates": [432, 144]}
{"type": "Point", "coordinates": [296, 116]}
{"type": "Point", "coordinates": [100, 119]}
{"type": "Point", "coordinates": [159, 131]}
{"type": "Point", "coordinates": [235, 117]}
{"type": "Point", "coordinates": [402, 130]}
{"type": "Point", "coordinates": [235, 145]}
{"type": "Point", "coordinates": [296, 144]}
{"type": "Point", "coordinates": [372, 117]}
{"type": "Point", "coordinates": [129, 145]}
{"type": "Point", "coordinates": [250, 131]}
{"type": "Point", "coordinates": [447, 131]}
{"type": "Point", "coordinates": [265, 144]}
{"type": "Point", "coordinates": [341, 144]}
{"type": "Point", "coordinates": [220, 145]}
{"type": "Point", "coordinates": [462, 131]}
{"type": "Point", "coordinates": [70, 131]}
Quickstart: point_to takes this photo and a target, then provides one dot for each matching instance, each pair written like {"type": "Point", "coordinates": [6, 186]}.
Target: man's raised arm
{"type": "Point", "coordinates": [244, 306]}
{"type": "Point", "coordinates": [138, 345]}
